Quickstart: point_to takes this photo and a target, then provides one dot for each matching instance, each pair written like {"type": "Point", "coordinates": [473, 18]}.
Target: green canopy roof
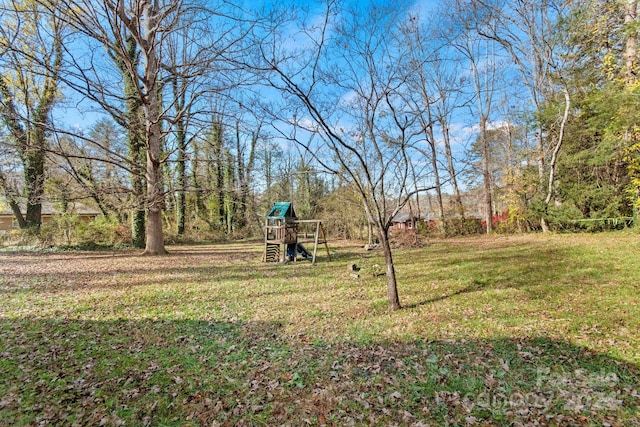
{"type": "Point", "coordinates": [281, 210]}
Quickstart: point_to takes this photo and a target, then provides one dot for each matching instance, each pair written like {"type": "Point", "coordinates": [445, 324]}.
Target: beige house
{"type": "Point", "coordinates": [49, 210]}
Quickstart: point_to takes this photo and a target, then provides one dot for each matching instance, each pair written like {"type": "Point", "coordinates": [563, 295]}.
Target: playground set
{"type": "Point", "coordinates": [285, 234]}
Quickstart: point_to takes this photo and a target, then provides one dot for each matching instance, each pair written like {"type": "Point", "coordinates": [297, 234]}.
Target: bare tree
{"type": "Point", "coordinates": [131, 120]}
{"type": "Point", "coordinates": [31, 39]}
{"type": "Point", "coordinates": [448, 87]}
{"type": "Point", "coordinates": [434, 90]}
{"type": "Point", "coordinates": [99, 167]}
{"type": "Point", "coordinates": [526, 31]}
{"type": "Point", "coordinates": [132, 34]}
{"type": "Point", "coordinates": [223, 163]}
{"type": "Point", "coordinates": [341, 87]}
{"type": "Point", "coordinates": [245, 164]}
{"type": "Point", "coordinates": [197, 68]}
{"type": "Point", "coordinates": [150, 43]}
{"type": "Point", "coordinates": [480, 55]}
{"type": "Point", "coordinates": [422, 103]}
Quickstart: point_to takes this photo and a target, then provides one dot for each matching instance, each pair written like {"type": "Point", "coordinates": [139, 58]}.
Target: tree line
{"type": "Point", "coordinates": [189, 115]}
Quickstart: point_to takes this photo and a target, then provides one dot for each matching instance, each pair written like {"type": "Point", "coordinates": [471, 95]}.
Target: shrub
{"type": "Point", "coordinates": [460, 227]}
{"type": "Point", "coordinates": [103, 231]}
{"type": "Point", "coordinates": [60, 230]}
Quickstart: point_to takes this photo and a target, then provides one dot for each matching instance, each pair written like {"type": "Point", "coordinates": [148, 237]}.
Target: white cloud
{"type": "Point", "coordinates": [423, 8]}
{"type": "Point", "coordinates": [348, 98]}
{"type": "Point", "coordinates": [302, 37]}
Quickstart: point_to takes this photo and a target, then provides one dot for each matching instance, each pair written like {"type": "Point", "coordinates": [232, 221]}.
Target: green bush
{"type": "Point", "coordinates": [70, 230]}
{"type": "Point", "coordinates": [60, 230]}
{"type": "Point", "coordinates": [460, 227]}
{"type": "Point", "coordinates": [454, 227]}
{"type": "Point", "coordinates": [567, 217]}
{"type": "Point", "coordinates": [26, 237]}
{"type": "Point", "coordinates": [101, 231]}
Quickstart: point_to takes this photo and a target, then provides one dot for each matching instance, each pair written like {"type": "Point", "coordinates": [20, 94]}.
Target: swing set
{"type": "Point", "coordinates": [285, 235]}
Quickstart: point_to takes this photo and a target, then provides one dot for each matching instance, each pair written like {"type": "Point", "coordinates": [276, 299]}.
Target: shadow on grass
{"type": "Point", "coordinates": [474, 287]}
{"type": "Point", "coordinates": [145, 372]}
{"type": "Point", "coordinates": [53, 273]}
{"type": "Point", "coordinates": [535, 268]}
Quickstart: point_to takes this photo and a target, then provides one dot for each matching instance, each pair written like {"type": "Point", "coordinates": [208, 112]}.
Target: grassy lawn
{"type": "Point", "coordinates": [521, 330]}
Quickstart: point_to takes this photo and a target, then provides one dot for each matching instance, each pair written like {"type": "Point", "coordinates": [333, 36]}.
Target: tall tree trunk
{"type": "Point", "coordinates": [133, 124]}
{"type": "Point", "coordinates": [15, 208]}
{"type": "Point", "coordinates": [179, 94]}
{"type": "Point", "coordinates": [382, 227]}
{"type": "Point", "coordinates": [484, 91]}
{"type": "Point", "coordinates": [240, 188]}
{"type": "Point", "coordinates": [392, 284]}
{"type": "Point", "coordinates": [138, 220]}
{"type": "Point", "coordinates": [428, 129]}
{"type": "Point", "coordinates": [201, 209]}
{"type": "Point", "coordinates": [229, 194]}
{"type": "Point", "coordinates": [38, 82]}
{"type": "Point", "coordinates": [219, 165]}
{"type": "Point", "coordinates": [486, 175]}
{"type": "Point", "coordinates": [541, 172]}
{"type": "Point", "coordinates": [154, 244]}
{"type": "Point", "coordinates": [451, 169]}
{"type": "Point", "coordinates": [9, 194]}
{"type": "Point", "coordinates": [631, 74]}
{"type": "Point", "coordinates": [153, 111]}
{"type": "Point", "coordinates": [245, 191]}
{"type": "Point", "coordinates": [556, 150]}
{"type": "Point", "coordinates": [181, 208]}
{"type": "Point", "coordinates": [33, 161]}
{"type": "Point", "coordinates": [436, 178]}
{"type": "Point", "coordinates": [181, 200]}
{"type": "Point", "coordinates": [34, 167]}
{"type": "Point", "coordinates": [631, 41]}
{"type": "Point", "coordinates": [268, 171]}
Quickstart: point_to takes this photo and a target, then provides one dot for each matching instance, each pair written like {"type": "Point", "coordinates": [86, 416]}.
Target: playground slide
{"type": "Point", "coordinates": [303, 251]}
{"type": "Point", "coordinates": [300, 250]}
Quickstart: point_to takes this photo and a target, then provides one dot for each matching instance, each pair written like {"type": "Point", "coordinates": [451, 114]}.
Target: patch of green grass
{"type": "Point", "coordinates": [494, 330]}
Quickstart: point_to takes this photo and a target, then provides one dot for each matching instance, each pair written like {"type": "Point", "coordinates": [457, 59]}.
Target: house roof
{"type": "Point", "coordinates": [429, 216]}
{"type": "Point", "coordinates": [281, 210]}
{"type": "Point", "coordinates": [403, 217]}
{"type": "Point", "coordinates": [48, 208]}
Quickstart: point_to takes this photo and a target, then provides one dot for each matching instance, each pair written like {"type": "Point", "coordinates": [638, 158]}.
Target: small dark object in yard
{"type": "Point", "coordinates": [353, 270]}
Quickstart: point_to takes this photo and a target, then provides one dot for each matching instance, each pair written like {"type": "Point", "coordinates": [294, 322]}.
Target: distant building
{"type": "Point", "coordinates": [404, 221]}
{"type": "Point", "coordinates": [49, 210]}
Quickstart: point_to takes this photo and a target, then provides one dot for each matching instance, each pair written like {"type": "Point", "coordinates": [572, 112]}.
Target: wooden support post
{"type": "Point", "coordinates": [266, 235]}
{"type": "Point", "coordinates": [324, 239]}
{"type": "Point", "coordinates": [315, 243]}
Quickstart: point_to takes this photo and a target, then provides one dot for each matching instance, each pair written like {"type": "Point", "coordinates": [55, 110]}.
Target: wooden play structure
{"type": "Point", "coordinates": [285, 234]}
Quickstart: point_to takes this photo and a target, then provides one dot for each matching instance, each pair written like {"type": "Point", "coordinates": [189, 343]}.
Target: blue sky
{"type": "Point", "coordinates": [462, 132]}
